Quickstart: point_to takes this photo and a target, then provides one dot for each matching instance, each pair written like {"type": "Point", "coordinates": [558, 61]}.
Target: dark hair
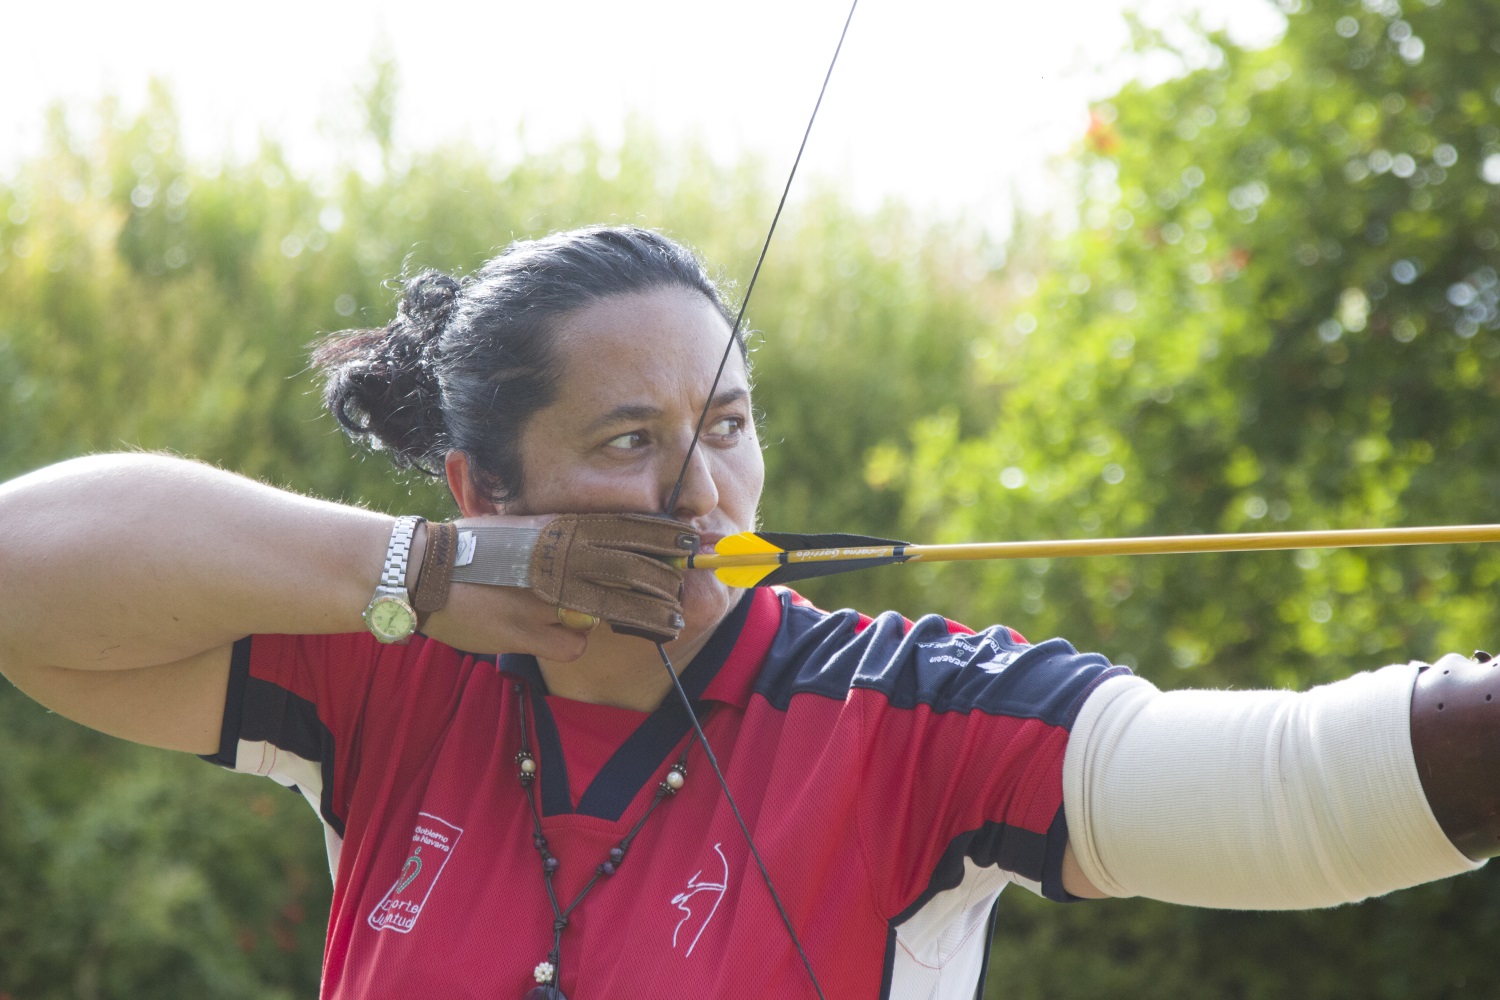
{"type": "Point", "coordinates": [466, 363]}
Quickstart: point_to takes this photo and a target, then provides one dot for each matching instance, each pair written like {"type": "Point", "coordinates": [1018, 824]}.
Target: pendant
{"type": "Point", "coordinates": [546, 988]}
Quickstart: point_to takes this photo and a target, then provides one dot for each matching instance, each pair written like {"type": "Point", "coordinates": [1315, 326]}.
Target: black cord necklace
{"type": "Point", "coordinates": [548, 973]}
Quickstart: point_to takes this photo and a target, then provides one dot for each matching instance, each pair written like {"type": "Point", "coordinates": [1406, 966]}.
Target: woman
{"type": "Point", "coordinates": [516, 801]}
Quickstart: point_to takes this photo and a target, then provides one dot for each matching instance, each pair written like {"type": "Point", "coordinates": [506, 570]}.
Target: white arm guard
{"type": "Point", "coordinates": [1256, 800]}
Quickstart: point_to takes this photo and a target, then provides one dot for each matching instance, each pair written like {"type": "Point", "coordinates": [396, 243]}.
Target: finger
{"type": "Point", "coordinates": [632, 572]}
{"type": "Point", "coordinates": [577, 556]}
{"type": "Point", "coordinates": [486, 619]}
{"type": "Point", "coordinates": [655, 536]}
{"type": "Point", "coordinates": [558, 642]}
{"type": "Point", "coordinates": [647, 534]}
{"type": "Point", "coordinates": [621, 605]}
{"type": "Point", "coordinates": [645, 632]}
{"type": "Point", "coordinates": [577, 621]}
{"type": "Point", "coordinates": [546, 636]}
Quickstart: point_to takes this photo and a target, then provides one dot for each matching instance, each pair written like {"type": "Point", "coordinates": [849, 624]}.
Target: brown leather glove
{"type": "Point", "coordinates": [611, 566]}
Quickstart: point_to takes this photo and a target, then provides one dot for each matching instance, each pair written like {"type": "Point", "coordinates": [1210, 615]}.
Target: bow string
{"type": "Point", "coordinates": [734, 335]}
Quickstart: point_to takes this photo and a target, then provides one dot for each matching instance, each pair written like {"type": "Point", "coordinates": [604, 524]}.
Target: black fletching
{"type": "Point", "coordinates": [790, 572]}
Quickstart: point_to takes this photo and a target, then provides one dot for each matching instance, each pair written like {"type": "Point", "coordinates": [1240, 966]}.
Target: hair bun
{"type": "Point", "coordinates": [426, 303]}
{"type": "Point", "coordinates": [382, 385]}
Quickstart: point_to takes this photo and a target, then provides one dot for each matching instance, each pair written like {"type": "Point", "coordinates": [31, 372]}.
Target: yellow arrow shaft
{"type": "Point", "coordinates": [1157, 545]}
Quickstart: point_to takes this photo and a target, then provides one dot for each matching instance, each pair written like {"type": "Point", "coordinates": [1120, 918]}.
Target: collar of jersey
{"type": "Point", "coordinates": [724, 671]}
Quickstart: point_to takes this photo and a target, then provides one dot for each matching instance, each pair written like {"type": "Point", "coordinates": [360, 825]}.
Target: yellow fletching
{"type": "Point", "coordinates": [745, 543]}
{"type": "Point", "coordinates": [742, 576]}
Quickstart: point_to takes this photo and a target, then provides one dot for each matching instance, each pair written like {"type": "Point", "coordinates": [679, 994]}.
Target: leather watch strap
{"type": "Point", "coordinates": [436, 575]}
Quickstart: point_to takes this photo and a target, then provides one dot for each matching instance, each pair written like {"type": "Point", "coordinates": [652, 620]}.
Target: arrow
{"type": "Point", "coordinates": [762, 559]}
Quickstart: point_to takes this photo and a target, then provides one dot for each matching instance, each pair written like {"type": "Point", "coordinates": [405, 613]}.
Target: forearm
{"type": "Point", "coordinates": [1253, 800]}
{"type": "Point", "coordinates": [122, 561]}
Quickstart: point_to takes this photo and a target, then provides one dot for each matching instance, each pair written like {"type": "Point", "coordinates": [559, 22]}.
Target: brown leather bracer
{"type": "Point", "coordinates": [1455, 739]}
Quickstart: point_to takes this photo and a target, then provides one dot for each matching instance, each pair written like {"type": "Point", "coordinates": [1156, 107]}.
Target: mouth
{"type": "Point", "coordinates": [706, 542]}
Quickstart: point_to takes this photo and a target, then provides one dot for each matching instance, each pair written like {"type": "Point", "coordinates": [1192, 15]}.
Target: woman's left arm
{"type": "Point", "coordinates": [1279, 800]}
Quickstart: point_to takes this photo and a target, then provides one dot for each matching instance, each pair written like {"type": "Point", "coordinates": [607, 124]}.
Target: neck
{"type": "Point", "coordinates": [620, 670]}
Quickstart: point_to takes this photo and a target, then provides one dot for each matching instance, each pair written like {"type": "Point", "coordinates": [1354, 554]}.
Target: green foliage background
{"type": "Point", "coordinates": [1278, 309]}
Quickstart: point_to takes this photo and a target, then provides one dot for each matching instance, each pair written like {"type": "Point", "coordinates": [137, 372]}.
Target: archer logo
{"type": "Point", "coordinates": [698, 903]}
{"type": "Point", "coordinates": [432, 843]}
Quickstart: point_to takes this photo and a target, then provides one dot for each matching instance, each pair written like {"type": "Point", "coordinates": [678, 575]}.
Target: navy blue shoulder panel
{"type": "Point", "coordinates": [234, 700]}
{"type": "Point", "coordinates": [825, 653]}
{"type": "Point", "coordinates": [257, 710]}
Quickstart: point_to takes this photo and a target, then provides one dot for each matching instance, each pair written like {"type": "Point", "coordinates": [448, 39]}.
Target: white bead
{"type": "Point", "coordinates": [675, 780]}
{"type": "Point", "coordinates": [544, 972]}
{"type": "Point", "coordinates": [528, 766]}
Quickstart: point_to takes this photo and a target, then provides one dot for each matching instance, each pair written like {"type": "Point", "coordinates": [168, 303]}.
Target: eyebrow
{"type": "Point", "coordinates": [642, 411]}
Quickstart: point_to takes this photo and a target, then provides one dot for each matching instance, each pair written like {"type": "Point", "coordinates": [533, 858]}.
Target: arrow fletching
{"type": "Point", "coordinates": [766, 558]}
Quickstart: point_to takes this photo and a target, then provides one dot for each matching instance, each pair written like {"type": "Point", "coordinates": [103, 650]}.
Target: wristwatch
{"type": "Point", "coordinates": [390, 616]}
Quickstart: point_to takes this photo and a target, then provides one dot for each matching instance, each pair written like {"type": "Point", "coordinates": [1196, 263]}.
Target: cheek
{"type": "Point", "coordinates": [743, 482]}
{"type": "Point", "coordinates": [559, 487]}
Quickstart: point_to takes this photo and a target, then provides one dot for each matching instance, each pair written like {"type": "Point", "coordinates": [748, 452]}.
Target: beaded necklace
{"type": "Point", "coordinates": [548, 972]}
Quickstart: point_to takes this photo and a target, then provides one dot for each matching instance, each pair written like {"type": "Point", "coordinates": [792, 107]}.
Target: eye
{"type": "Point", "coordinates": [627, 442]}
{"type": "Point", "coordinates": [727, 427]}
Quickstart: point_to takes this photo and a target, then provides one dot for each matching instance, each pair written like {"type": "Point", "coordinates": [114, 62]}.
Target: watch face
{"type": "Point", "coordinates": [390, 619]}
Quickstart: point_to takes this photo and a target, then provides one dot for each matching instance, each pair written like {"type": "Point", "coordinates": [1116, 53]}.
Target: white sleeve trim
{"type": "Point", "coordinates": [1257, 800]}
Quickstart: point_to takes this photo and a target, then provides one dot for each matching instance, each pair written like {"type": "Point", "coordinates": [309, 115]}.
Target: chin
{"type": "Point", "coordinates": [706, 602]}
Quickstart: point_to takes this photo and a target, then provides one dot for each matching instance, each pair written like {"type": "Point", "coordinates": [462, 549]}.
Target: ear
{"type": "Point", "coordinates": [470, 499]}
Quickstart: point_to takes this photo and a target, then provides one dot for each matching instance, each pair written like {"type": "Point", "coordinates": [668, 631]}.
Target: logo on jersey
{"type": "Point", "coordinates": [432, 844]}
{"type": "Point", "coordinates": [698, 903]}
{"type": "Point", "coordinates": [963, 650]}
{"type": "Point", "coordinates": [1000, 661]}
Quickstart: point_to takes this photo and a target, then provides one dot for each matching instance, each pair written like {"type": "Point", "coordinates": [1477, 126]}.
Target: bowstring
{"type": "Point", "coordinates": [734, 334]}
{"type": "Point", "coordinates": [739, 319]}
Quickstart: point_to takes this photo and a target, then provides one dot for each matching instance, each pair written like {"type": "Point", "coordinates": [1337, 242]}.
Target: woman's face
{"type": "Point", "coordinates": [636, 370]}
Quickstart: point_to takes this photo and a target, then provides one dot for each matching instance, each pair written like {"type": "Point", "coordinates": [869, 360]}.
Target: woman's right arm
{"type": "Point", "coordinates": [127, 579]}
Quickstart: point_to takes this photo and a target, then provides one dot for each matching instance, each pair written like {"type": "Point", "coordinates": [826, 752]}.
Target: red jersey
{"type": "Point", "coordinates": [895, 776]}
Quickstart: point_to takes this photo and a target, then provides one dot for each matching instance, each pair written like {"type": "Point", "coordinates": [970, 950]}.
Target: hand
{"type": "Point", "coordinates": [612, 566]}
{"type": "Point", "coordinates": [608, 566]}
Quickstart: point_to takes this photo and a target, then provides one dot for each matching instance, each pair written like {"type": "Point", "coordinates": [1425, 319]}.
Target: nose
{"type": "Point", "coordinates": [697, 495]}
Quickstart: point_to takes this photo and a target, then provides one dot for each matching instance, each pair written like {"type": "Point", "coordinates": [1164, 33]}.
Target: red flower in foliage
{"type": "Point", "coordinates": [1101, 136]}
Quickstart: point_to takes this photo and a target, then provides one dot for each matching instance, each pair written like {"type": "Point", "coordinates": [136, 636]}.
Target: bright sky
{"type": "Point", "coordinates": [949, 104]}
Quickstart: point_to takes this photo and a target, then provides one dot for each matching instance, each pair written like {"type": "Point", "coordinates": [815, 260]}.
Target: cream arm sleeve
{"type": "Point", "coordinates": [1261, 800]}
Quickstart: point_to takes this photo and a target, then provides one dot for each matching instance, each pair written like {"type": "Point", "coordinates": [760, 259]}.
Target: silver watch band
{"type": "Point", "coordinates": [497, 555]}
{"type": "Point", "coordinates": [393, 573]}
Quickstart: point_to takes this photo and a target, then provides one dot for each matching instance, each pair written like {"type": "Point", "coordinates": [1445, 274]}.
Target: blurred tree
{"type": "Point", "coordinates": [149, 302]}
{"type": "Point", "coordinates": [1279, 311]}
{"type": "Point", "coordinates": [378, 104]}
